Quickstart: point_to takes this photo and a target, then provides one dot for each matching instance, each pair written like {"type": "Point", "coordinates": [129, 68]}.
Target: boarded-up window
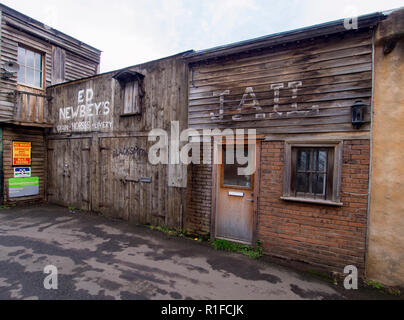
{"type": "Point", "coordinates": [132, 84]}
{"type": "Point", "coordinates": [132, 98]}
{"type": "Point", "coordinates": [58, 65]}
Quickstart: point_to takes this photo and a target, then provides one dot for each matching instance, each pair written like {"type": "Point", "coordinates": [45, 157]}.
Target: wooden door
{"type": "Point", "coordinates": [69, 169]}
{"type": "Point", "coordinates": [128, 182]}
{"type": "Point", "coordinates": [235, 198]}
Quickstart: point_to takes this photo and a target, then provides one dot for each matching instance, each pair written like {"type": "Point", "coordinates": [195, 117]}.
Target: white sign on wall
{"type": "Point", "coordinates": [88, 114]}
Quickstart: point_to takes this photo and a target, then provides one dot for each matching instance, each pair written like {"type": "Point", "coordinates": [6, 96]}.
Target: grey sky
{"type": "Point", "coordinates": [131, 32]}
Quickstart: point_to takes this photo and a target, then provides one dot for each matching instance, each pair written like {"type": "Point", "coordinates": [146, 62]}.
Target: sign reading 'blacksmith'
{"type": "Point", "coordinates": [90, 111]}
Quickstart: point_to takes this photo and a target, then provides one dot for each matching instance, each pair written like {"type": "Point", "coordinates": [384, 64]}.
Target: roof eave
{"type": "Point", "coordinates": [327, 28]}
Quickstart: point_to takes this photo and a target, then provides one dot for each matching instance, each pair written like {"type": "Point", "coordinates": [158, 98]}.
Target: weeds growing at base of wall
{"type": "Point", "coordinates": [218, 244]}
{"type": "Point", "coordinates": [8, 206]}
{"type": "Point", "coordinates": [174, 232]}
{"type": "Point", "coordinates": [167, 230]}
{"type": "Point", "coordinates": [253, 253]}
{"type": "Point", "coordinates": [375, 284]}
{"type": "Point", "coordinates": [378, 286]}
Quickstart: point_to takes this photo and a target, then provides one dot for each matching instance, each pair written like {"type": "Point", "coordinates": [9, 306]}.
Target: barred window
{"type": "Point", "coordinates": [313, 172]}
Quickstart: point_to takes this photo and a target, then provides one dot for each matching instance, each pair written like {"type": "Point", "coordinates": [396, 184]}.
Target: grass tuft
{"type": "Point", "coordinates": [375, 285]}
{"type": "Point", "coordinates": [224, 245]}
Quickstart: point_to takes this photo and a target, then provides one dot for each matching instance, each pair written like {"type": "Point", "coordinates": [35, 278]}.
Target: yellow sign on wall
{"type": "Point", "coordinates": [21, 153]}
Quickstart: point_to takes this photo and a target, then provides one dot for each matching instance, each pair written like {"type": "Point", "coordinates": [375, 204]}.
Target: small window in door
{"type": "Point", "coordinates": [230, 176]}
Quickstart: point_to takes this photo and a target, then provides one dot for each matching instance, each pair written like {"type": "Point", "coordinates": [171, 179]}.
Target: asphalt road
{"type": "Point", "coordinates": [99, 258]}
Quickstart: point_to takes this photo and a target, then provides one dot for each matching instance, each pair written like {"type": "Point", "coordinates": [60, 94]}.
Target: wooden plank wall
{"type": "Point", "coordinates": [334, 72]}
{"type": "Point", "coordinates": [123, 192]}
{"type": "Point", "coordinates": [13, 33]}
{"type": "Point", "coordinates": [38, 167]}
{"type": "Point", "coordinates": [165, 99]}
{"type": "Point", "coordinates": [10, 38]}
{"type": "Point", "coordinates": [118, 158]}
{"type": "Point", "coordinates": [77, 67]}
{"type": "Point", "coordinates": [69, 172]}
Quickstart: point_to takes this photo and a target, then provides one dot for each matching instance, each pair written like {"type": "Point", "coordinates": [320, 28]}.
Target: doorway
{"type": "Point", "coordinates": [235, 194]}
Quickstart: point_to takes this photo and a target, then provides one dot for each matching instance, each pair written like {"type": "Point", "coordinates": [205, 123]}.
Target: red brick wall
{"type": "Point", "coordinates": [331, 237]}
{"type": "Point", "coordinates": [199, 197]}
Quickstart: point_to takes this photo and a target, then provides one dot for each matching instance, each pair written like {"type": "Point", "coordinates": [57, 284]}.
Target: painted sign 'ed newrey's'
{"type": "Point", "coordinates": [85, 108]}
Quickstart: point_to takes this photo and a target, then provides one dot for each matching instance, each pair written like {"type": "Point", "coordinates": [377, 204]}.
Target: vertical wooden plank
{"type": "Point", "coordinates": [36, 109]}
{"type": "Point", "coordinates": [40, 113]}
{"type": "Point", "coordinates": [58, 65]}
{"type": "Point", "coordinates": [45, 110]}
{"type": "Point", "coordinates": [136, 98]}
{"type": "Point", "coordinates": [128, 100]}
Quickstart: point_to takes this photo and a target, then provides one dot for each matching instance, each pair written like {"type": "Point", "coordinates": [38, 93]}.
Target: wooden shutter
{"type": "Point", "coordinates": [132, 102]}
{"type": "Point", "coordinates": [58, 65]}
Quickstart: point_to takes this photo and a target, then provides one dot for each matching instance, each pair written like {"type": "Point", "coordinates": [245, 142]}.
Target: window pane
{"type": "Point", "coordinates": [320, 160]}
{"type": "Point", "coordinates": [29, 73]}
{"type": "Point", "coordinates": [30, 59]}
{"type": "Point", "coordinates": [319, 183]}
{"type": "Point", "coordinates": [231, 177]}
{"type": "Point", "coordinates": [38, 62]}
{"type": "Point", "coordinates": [230, 171]}
{"type": "Point", "coordinates": [302, 182]}
{"type": "Point", "coordinates": [21, 56]}
{"type": "Point", "coordinates": [38, 79]}
{"type": "Point", "coordinates": [21, 74]}
{"type": "Point", "coordinates": [303, 160]}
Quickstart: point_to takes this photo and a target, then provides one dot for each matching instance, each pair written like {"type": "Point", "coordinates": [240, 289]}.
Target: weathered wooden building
{"type": "Point", "coordinates": [308, 197]}
{"type": "Point", "coordinates": [313, 96]}
{"type": "Point", "coordinates": [33, 56]}
{"type": "Point", "coordinates": [98, 148]}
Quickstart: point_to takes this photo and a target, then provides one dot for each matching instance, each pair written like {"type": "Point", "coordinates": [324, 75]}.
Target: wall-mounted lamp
{"type": "Point", "coordinates": [358, 114]}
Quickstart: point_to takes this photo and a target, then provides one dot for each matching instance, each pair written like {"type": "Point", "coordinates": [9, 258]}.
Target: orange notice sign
{"type": "Point", "coordinates": [21, 153]}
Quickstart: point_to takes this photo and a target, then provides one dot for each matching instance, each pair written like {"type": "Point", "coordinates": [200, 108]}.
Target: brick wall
{"type": "Point", "coordinates": [199, 197]}
{"type": "Point", "coordinates": [331, 237]}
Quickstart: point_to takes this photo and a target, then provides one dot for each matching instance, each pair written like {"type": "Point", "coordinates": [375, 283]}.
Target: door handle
{"type": "Point", "coordinates": [250, 200]}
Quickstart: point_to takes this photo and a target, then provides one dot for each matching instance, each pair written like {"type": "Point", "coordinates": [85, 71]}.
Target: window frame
{"type": "Point", "coordinates": [43, 60]}
{"type": "Point", "coordinates": [127, 78]}
{"type": "Point", "coordinates": [227, 186]}
{"type": "Point", "coordinates": [334, 162]}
